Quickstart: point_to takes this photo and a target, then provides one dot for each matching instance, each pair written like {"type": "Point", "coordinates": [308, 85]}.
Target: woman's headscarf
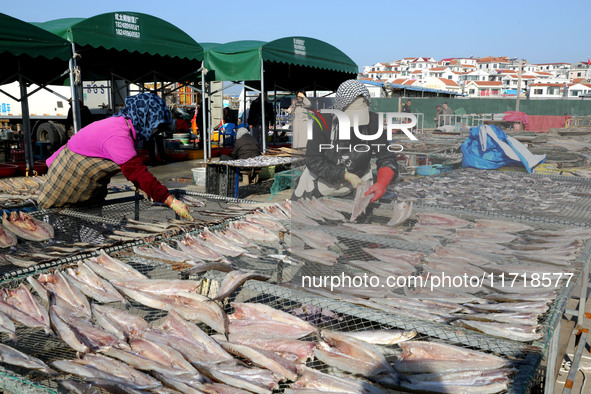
{"type": "Point", "coordinates": [349, 91]}
{"type": "Point", "coordinates": [146, 111]}
{"type": "Point", "coordinates": [241, 132]}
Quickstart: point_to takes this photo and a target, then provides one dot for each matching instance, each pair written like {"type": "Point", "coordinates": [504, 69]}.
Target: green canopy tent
{"type": "Point", "coordinates": [130, 46]}
{"type": "Point", "coordinates": [30, 55]}
{"type": "Point", "coordinates": [288, 63]}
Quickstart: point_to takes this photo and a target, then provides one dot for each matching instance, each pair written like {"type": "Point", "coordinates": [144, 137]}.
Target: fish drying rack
{"type": "Point", "coordinates": [575, 213]}
{"type": "Point", "coordinates": [531, 374]}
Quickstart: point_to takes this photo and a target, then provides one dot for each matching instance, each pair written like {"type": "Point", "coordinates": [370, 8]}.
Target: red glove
{"type": "Point", "coordinates": [385, 175]}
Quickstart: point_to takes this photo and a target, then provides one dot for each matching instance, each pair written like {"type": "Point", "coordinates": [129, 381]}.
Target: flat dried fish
{"type": "Point", "coordinates": [27, 227]}
{"type": "Point", "coordinates": [361, 201]}
{"type": "Point", "coordinates": [7, 238]}
{"type": "Point", "coordinates": [402, 212]}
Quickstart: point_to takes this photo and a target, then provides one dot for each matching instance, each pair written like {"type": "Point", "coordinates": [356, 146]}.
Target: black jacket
{"type": "Point", "coordinates": [245, 148]}
{"type": "Point", "coordinates": [331, 165]}
{"type": "Point", "coordinates": [255, 116]}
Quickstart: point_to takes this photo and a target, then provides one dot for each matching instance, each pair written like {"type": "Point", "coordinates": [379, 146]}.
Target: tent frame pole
{"type": "Point", "coordinates": [74, 91]}
{"type": "Point", "coordinates": [205, 155]}
{"type": "Point", "coordinates": [263, 102]}
{"type": "Point", "coordinates": [27, 140]}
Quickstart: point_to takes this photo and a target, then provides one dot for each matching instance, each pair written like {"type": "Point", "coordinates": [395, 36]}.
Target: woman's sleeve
{"type": "Point", "coordinates": [137, 173]}
{"type": "Point", "coordinates": [318, 161]}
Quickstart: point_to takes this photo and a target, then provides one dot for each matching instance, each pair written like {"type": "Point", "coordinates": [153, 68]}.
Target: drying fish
{"type": "Point", "coordinates": [154, 253]}
{"type": "Point", "coordinates": [477, 382]}
{"type": "Point", "coordinates": [301, 218]}
{"type": "Point", "coordinates": [100, 377]}
{"type": "Point", "coordinates": [7, 327]}
{"type": "Point", "coordinates": [21, 317]}
{"type": "Point", "coordinates": [338, 204]}
{"type": "Point", "coordinates": [190, 305]}
{"type": "Point", "coordinates": [93, 285]}
{"type": "Point", "coordinates": [381, 337]}
{"type": "Point", "coordinates": [162, 353]}
{"type": "Point", "coordinates": [361, 200]}
{"type": "Point", "coordinates": [420, 356]}
{"type": "Point", "coordinates": [320, 256]}
{"type": "Point", "coordinates": [175, 325]}
{"type": "Point", "coordinates": [118, 322]}
{"type": "Point", "coordinates": [186, 384]}
{"type": "Point", "coordinates": [503, 317]}
{"type": "Point", "coordinates": [238, 377]}
{"type": "Point", "coordinates": [79, 334]}
{"type": "Point", "coordinates": [234, 280]}
{"type": "Point", "coordinates": [254, 232]}
{"type": "Point", "coordinates": [23, 300]}
{"type": "Point", "coordinates": [515, 332]}
{"type": "Point", "coordinates": [324, 210]}
{"type": "Point", "coordinates": [220, 245]}
{"type": "Point", "coordinates": [351, 355]}
{"type": "Point", "coordinates": [402, 212]}
{"type": "Point", "coordinates": [12, 356]}
{"type": "Point", "coordinates": [129, 375]}
{"type": "Point", "coordinates": [501, 225]}
{"type": "Point", "coordinates": [315, 238]}
{"type": "Point", "coordinates": [27, 227]}
{"type": "Point", "coordinates": [137, 360]}
{"type": "Point", "coordinates": [192, 246]}
{"type": "Point", "coordinates": [67, 295]}
{"type": "Point", "coordinates": [276, 212]}
{"type": "Point", "coordinates": [160, 286]}
{"type": "Point", "coordinates": [441, 220]}
{"type": "Point", "coordinates": [21, 262]}
{"type": "Point", "coordinates": [264, 321]}
{"type": "Point", "coordinates": [525, 307]}
{"type": "Point", "coordinates": [111, 268]}
{"type": "Point", "coordinates": [313, 379]}
{"type": "Point", "coordinates": [237, 239]}
{"type": "Point", "coordinates": [262, 358]}
{"type": "Point", "coordinates": [7, 238]}
{"type": "Point", "coordinates": [303, 350]}
{"type": "Point", "coordinates": [192, 201]}
{"type": "Point", "coordinates": [268, 222]}
{"type": "Point", "coordinates": [204, 267]}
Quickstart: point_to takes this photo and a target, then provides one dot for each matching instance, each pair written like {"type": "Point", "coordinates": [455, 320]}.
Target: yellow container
{"type": "Point", "coordinates": [216, 136]}
{"type": "Point", "coordinates": [195, 154]}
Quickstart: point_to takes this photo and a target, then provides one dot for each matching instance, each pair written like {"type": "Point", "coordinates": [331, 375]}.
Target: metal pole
{"type": "Point", "coordinates": [208, 127]}
{"type": "Point", "coordinates": [74, 91]}
{"type": "Point", "coordinates": [263, 102]}
{"type": "Point", "coordinates": [27, 140]}
{"type": "Point", "coordinates": [203, 113]}
{"type": "Point", "coordinates": [518, 88]}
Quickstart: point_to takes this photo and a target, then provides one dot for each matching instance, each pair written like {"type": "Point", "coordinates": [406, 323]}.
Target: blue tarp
{"type": "Point", "coordinates": [488, 147]}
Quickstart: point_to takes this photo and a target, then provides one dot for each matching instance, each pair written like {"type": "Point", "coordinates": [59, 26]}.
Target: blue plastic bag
{"type": "Point", "coordinates": [488, 147]}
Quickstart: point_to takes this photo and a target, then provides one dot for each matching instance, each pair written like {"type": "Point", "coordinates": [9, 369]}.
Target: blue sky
{"type": "Point", "coordinates": [540, 31]}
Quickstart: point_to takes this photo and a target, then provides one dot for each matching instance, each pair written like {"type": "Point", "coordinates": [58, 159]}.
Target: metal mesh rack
{"type": "Point", "coordinates": [91, 228]}
{"type": "Point", "coordinates": [535, 197]}
{"type": "Point", "coordinates": [341, 316]}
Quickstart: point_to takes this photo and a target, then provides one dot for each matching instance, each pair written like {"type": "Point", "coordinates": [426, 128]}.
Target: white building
{"type": "Point", "coordinates": [483, 88]}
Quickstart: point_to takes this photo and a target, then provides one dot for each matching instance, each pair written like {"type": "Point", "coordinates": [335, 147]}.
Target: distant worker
{"type": "Point", "coordinates": [406, 107]}
{"type": "Point", "coordinates": [299, 109]}
{"type": "Point", "coordinates": [255, 116]}
{"type": "Point", "coordinates": [436, 119]}
{"type": "Point", "coordinates": [244, 148]}
{"type": "Point", "coordinates": [447, 112]}
{"type": "Point", "coordinates": [85, 116]}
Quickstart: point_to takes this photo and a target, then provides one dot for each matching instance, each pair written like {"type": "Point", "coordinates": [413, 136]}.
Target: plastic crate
{"type": "Point", "coordinates": [432, 169]}
{"type": "Point", "coordinates": [221, 180]}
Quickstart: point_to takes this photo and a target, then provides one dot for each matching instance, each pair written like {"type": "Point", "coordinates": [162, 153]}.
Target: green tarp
{"type": "Point", "coordinates": [130, 45]}
{"type": "Point", "coordinates": [21, 47]}
{"type": "Point", "coordinates": [290, 63]}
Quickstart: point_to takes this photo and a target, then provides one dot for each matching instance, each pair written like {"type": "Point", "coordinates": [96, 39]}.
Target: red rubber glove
{"type": "Point", "coordinates": [385, 175]}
